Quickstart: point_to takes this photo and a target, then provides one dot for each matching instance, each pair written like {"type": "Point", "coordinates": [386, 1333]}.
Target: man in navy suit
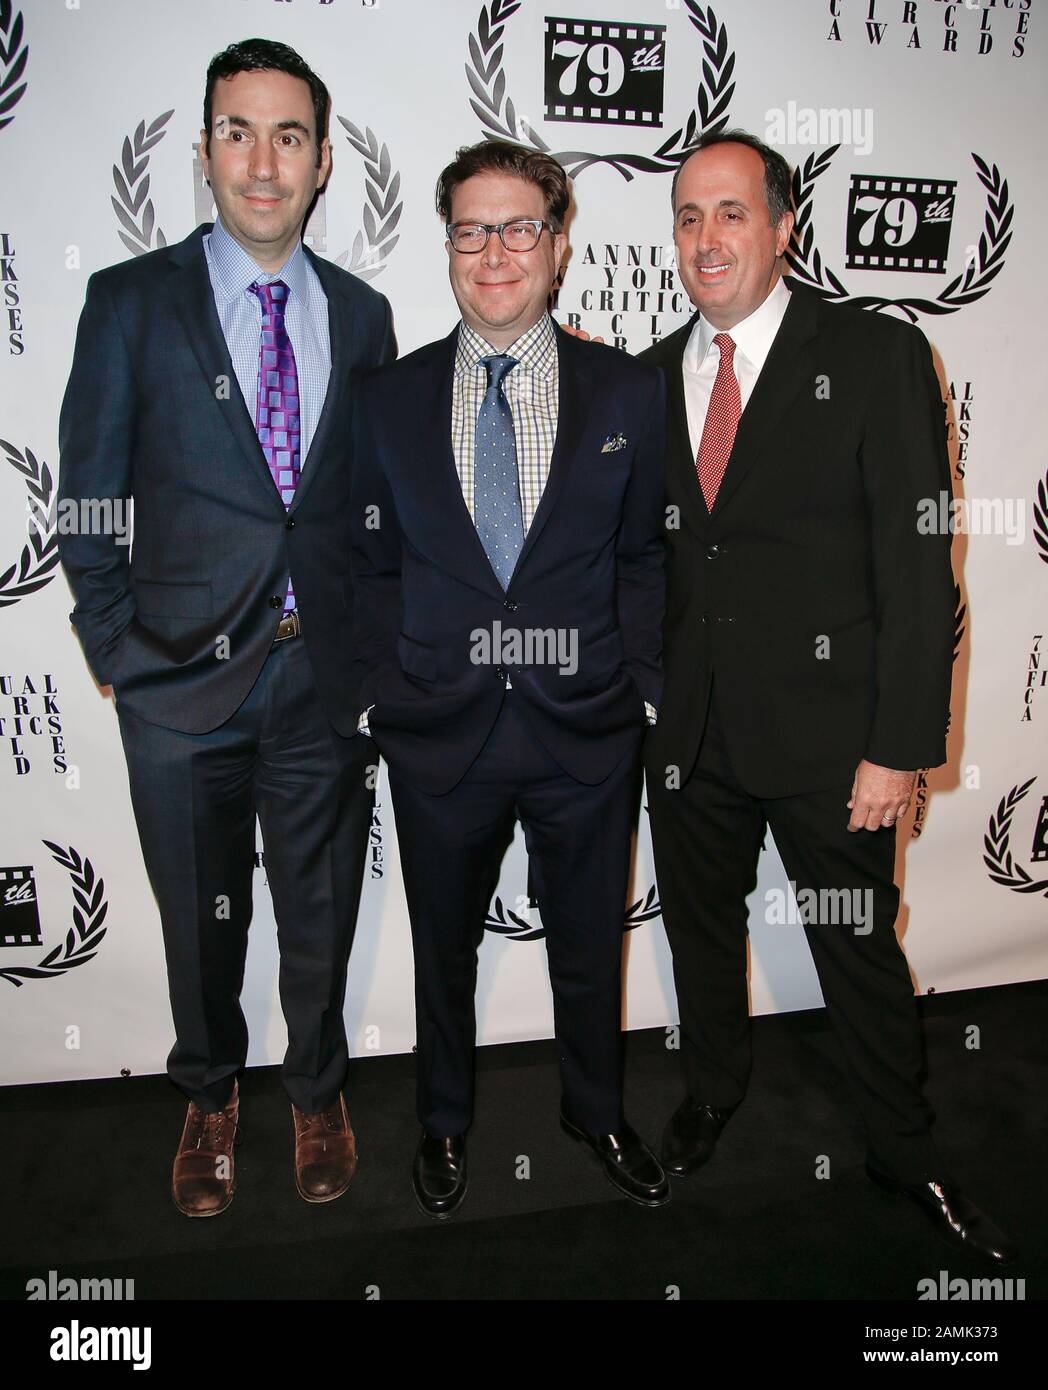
{"type": "Point", "coordinates": [211, 382]}
{"type": "Point", "coordinates": [508, 570]}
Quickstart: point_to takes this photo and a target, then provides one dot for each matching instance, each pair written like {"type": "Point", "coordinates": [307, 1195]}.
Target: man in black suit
{"type": "Point", "coordinates": [509, 603]}
{"type": "Point", "coordinates": [808, 651]}
{"type": "Point", "coordinates": [211, 382]}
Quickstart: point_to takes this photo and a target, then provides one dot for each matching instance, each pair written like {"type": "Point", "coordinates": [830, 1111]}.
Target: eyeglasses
{"type": "Point", "coordinates": [522, 235]}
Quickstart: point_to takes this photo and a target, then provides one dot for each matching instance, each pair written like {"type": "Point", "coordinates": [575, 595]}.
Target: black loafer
{"type": "Point", "coordinates": [628, 1163]}
{"type": "Point", "coordinates": [691, 1135]}
{"type": "Point", "coordinates": [956, 1220]}
{"type": "Point", "coordinates": [439, 1174]}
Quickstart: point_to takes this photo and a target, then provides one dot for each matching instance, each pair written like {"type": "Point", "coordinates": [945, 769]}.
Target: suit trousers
{"type": "Point", "coordinates": [578, 840]}
{"type": "Point", "coordinates": [707, 837]}
{"type": "Point", "coordinates": [195, 798]}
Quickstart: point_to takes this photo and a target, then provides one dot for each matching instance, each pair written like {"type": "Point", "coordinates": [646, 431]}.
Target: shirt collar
{"type": "Point", "coordinates": [234, 270]}
{"type": "Point", "coordinates": [535, 349]}
{"type": "Point", "coordinates": [753, 336]}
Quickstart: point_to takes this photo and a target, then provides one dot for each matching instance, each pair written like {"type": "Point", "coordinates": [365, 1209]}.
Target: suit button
{"type": "Point", "coordinates": [276, 601]}
{"type": "Point", "coordinates": [713, 553]}
{"type": "Point", "coordinates": [290, 523]}
{"type": "Point", "coordinates": [510, 606]}
{"type": "Point", "coordinates": [705, 618]}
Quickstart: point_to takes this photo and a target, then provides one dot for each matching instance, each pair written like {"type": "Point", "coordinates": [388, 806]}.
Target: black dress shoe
{"type": "Point", "coordinates": [956, 1220]}
{"type": "Point", "coordinates": [439, 1173]}
{"type": "Point", "coordinates": [627, 1161]}
{"type": "Point", "coordinates": [691, 1135]}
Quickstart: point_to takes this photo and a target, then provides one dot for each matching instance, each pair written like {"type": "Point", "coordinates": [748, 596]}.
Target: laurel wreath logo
{"type": "Point", "coordinates": [1040, 518]}
{"type": "Point", "coordinates": [131, 180]}
{"type": "Point", "coordinates": [998, 856]}
{"type": "Point", "coordinates": [83, 937]}
{"type": "Point", "coordinates": [40, 553]}
{"type": "Point", "coordinates": [498, 115]}
{"type": "Point", "coordinates": [14, 55]}
{"type": "Point", "coordinates": [372, 246]}
{"type": "Point", "coordinates": [503, 921]}
{"type": "Point", "coordinates": [806, 263]}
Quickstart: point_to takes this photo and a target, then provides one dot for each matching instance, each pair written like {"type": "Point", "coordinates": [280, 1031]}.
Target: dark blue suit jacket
{"type": "Point", "coordinates": [591, 565]}
{"type": "Point", "coordinates": [153, 411]}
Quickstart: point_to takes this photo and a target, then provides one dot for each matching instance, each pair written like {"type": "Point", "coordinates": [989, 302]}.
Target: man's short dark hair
{"type": "Point", "coordinates": [265, 55]}
{"type": "Point", "coordinates": [505, 157]}
{"type": "Point", "coordinates": [777, 185]}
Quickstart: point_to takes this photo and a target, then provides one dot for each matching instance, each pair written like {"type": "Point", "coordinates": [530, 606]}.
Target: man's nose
{"type": "Point", "coordinates": [261, 162]}
{"type": "Point", "coordinates": [494, 254]}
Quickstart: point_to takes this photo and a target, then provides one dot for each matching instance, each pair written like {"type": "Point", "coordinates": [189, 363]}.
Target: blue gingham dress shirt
{"type": "Point", "coordinates": [306, 319]}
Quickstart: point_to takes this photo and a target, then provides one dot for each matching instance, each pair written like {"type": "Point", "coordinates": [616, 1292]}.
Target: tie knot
{"type": "Point", "coordinates": [498, 368]}
{"type": "Point", "coordinates": [726, 343]}
{"type": "Point", "coordinates": [273, 295]}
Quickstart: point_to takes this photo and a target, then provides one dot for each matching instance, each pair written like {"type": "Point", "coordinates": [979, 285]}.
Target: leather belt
{"type": "Point", "coordinates": [289, 626]}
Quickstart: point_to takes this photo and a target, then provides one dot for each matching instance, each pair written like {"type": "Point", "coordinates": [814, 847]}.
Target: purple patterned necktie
{"type": "Point", "coordinates": [276, 417]}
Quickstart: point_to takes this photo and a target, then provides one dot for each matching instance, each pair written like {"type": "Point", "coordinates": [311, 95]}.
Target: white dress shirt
{"type": "Point", "coordinates": [753, 338]}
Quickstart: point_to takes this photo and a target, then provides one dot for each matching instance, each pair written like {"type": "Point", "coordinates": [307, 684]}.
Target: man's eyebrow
{"type": "Point", "coordinates": [244, 124]}
{"type": "Point", "coordinates": [724, 203]}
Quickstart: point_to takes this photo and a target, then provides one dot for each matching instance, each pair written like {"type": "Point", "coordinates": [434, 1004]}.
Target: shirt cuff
{"type": "Point", "coordinates": [651, 712]}
{"type": "Point", "coordinates": [362, 722]}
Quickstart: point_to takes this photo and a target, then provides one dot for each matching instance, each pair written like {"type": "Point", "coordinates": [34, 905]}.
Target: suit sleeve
{"type": "Point", "coordinates": [374, 557]}
{"type": "Point", "coordinates": [388, 349]}
{"type": "Point", "coordinates": [905, 465]}
{"type": "Point", "coordinates": [95, 436]}
{"type": "Point", "coordinates": [640, 554]}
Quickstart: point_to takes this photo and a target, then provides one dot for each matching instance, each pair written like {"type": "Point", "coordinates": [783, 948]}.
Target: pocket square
{"type": "Point", "coordinates": [613, 443]}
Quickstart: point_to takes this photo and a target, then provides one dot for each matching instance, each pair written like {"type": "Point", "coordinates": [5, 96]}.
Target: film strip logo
{"type": "Point", "coordinates": [19, 907]}
{"type": "Point", "coordinates": [604, 74]}
{"type": "Point", "coordinates": [899, 224]}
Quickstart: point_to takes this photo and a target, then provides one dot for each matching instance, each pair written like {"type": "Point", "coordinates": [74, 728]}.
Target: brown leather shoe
{"type": "Point", "coordinates": [325, 1152]}
{"type": "Point", "coordinates": [202, 1181]}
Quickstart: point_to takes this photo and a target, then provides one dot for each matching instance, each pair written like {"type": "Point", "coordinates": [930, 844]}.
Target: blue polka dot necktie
{"type": "Point", "coordinates": [277, 420]}
{"type": "Point", "coordinates": [496, 490]}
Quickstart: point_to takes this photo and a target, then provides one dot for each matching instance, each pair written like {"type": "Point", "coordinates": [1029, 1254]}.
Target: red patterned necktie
{"type": "Point", "coordinates": [722, 420]}
{"type": "Point", "coordinates": [277, 420]}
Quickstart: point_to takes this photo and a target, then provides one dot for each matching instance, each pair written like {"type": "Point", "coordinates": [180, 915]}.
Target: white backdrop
{"type": "Point", "coordinates": [97, 140]}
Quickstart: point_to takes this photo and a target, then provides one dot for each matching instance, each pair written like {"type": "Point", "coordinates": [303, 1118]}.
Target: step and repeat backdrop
{"type": "Point", "coordinates": [916, 128]}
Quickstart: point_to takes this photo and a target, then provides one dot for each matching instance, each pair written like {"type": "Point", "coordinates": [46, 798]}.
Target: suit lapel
{"type": "Point", "coordinates": [572, 409]}
{"type": "Point", "coordinates": [341, 331]}
{"type": "Point", "coordinates": [682, 474]}
{"type": "Point", "coordinates": [786, 369]}
{"type": "Point", "coordinates": [190, 287]}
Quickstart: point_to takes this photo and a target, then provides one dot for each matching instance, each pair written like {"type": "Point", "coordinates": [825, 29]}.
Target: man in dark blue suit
{"type": "Point", "coordinates": [211, 382]}
{"type": "Point", "coordinates": [508, 572]}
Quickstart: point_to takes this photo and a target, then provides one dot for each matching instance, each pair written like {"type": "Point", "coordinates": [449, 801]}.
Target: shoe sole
{"type": "Point", "coordinates": [574, 1133]}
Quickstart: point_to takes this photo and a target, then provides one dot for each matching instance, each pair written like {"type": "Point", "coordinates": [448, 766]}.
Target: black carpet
{"type": "Point", "coordinates": [85, 1172]}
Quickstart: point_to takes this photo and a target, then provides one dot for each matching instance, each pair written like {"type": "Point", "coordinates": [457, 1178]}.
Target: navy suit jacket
{"type": "Point", "coordinates": [153, 412]}
{"type": "Point", "coordinates": [591, 569]}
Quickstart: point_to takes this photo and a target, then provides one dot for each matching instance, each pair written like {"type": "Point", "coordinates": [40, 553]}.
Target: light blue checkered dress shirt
{"type": "Point", "coordinates": [306, 319]}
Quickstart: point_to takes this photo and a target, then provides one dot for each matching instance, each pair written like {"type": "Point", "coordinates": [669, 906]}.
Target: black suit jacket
{"type": "Point", "coordinates": [591, 564]}
{"type": "Point", "coordinates": [813, 535]}
{"type": "Point", "coordinates": [153, 412]}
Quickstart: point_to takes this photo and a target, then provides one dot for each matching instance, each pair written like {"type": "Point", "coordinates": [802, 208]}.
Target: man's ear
{"type": "Point", "coordinates": [783, 233]}
{"type": "Point", "coordinates": [205, 158]}
{"type": "Point", "coordinates": [324, 172]}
